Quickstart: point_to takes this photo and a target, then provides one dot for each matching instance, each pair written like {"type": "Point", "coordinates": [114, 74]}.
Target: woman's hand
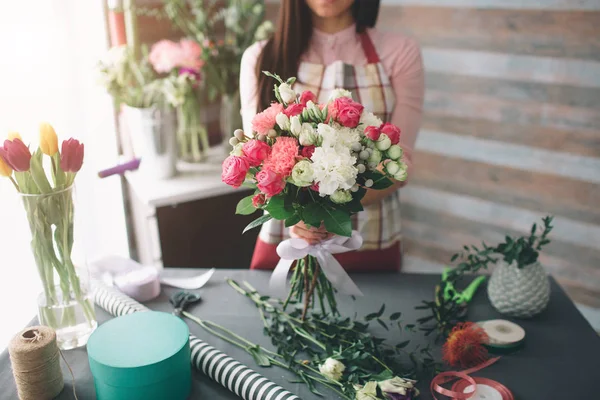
{"type": "Point", "coordinates": [311, 234]}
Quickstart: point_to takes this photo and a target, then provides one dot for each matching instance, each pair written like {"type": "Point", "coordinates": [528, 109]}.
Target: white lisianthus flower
{"type": "Point", "coordinates": [369, 119]}
{"type": "Point", "coordinates": [402, 174]}
{"type": "Point", "coordinates": [237, 150]}
{"type": "Point", "coordinates": [283, 121]}
{"type": "Point", "coordinates": [383, 143]}
{"type": "Point", "coordinates": [303, 174]}
{"type": "Point", "coordinates": [337, 93]}
{"type": "Point", "coordinates": [332, 369]}
{"type": "Point", "coordinates": [334, 169]}
{"type": "Point", "coordinates": [308, 136]}
{"type": "Point", "coordinates": [286, 92]}
{"type": "Point", "coordinates": [395, 152]}
{"type": "Point", "coordinates": [341, 196]}
{"type": "Point", "coordinates": [367, 392]}
{"type": "Point", "coordinates": [313, 109]}
{"type": "Point", "coordinates": [392, 168]}
{"type": "Point", "coordinates": [375, 157]}
{"type": "Point", "coordinates": [399, 385]}
{"type": "Point", "coordinates": [295, 125]}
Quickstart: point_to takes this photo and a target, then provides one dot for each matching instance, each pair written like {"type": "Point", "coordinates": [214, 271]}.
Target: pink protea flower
{"type": "Point", "coordinates": [165, 55]}
{"type": "Point", "coordinates": [264, 121]}
{"type": "Point", "coordinates": [283, 156]}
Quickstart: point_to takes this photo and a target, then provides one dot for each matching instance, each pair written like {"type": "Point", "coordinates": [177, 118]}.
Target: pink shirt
{"type": "Point", "coordinates": [401, 59]}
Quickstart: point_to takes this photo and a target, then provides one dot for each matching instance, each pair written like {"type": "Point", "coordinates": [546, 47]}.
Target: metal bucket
{"type": "Point", "coordinates": [153, 137]}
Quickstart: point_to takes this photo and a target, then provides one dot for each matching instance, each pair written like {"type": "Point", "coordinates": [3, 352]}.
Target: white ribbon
{"type": "Point", "coordinates": [295, 249]}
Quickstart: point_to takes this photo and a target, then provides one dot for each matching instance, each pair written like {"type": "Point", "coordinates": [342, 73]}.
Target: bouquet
{"type": "Point", "coordinates": [182, 62]}
{"type": "Point", "coordinates": [50, 212]}
{"type": "Point", "coordinates": [313, 163]}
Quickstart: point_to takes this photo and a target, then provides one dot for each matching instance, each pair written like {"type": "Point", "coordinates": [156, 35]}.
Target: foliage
{"type": "Point", "coordinates": [129, 80]}
{"type": "Point", "coordinates": [447, 309]}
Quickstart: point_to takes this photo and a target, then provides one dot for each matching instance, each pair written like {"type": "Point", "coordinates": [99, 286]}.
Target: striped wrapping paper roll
{"type": "Point", "coordinates": [218, 366]}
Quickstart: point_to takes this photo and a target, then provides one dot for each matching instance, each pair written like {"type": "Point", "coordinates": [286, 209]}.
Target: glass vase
{"type": "Point", "coordinates": [66, 303]}
{"type": "Point", "coordinates": [230, 118]}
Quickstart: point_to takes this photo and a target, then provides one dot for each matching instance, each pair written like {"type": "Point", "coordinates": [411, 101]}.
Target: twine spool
{"type": "Point", "coordinates": [35, 359]}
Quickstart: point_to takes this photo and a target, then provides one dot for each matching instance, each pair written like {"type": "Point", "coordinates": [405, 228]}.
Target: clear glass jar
{"type": "Point", "coordinates": [66, 303]}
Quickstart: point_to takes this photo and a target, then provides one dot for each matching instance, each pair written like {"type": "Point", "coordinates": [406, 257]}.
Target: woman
{"type": "Point", "coordinates": [326, 45]}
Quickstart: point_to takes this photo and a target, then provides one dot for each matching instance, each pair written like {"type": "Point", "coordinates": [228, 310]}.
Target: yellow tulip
{"type": "Point", "coordinates": [5, 169]}
{"type": "Point", "coordinates": [14, 135]}
{"type": "Point", "coordinates": [48, 139]}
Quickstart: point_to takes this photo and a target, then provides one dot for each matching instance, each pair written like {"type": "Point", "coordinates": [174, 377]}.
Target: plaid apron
{"type": "Point", "coordinates": [379, 224]}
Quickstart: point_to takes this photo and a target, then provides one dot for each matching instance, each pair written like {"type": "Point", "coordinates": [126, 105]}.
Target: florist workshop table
{"type": "Point", "coordinates": [560, 360]}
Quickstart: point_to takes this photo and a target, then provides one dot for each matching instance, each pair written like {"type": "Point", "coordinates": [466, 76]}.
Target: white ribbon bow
{"type": "Point", "coordinates": [295, 249]}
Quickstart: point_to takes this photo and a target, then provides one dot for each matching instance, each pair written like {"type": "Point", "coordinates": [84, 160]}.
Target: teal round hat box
{"type": "Point", "coordinates": [141, 356]}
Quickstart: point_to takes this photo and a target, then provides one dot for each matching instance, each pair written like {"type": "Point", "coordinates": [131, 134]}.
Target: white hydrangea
{"type": "Point", "coordinates": [369, 119]}
{"type": "Point", "coordinates": [334, 168]}
{"type": "Point", "coordinates": [338, 136]}
{"type": "Point", "coordinates": [337, 93]}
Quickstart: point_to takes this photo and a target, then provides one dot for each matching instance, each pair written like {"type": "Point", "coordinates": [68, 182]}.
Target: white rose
{"type": "Point", "coordinates": [303, 174]}
{"type": "Point", "coordinates": [295, 125]}
{"type": "Point", "coordinates": [367, 392]}
{"type": "Point", "coordinates": [369, 119]}
{"type": "Point", "coordinates": [341, 196]}
{"type": "Point", "coordinates": [398, 385]}
{"type": "Point", "coordinates": [337, 93]}
{"type": "Point", "coordinates": [395, 152]}
{"type": "Point", "coordinates": [383, 143]}
{"type": "Point", "coordinates": [332, 369]}
{"type": "Point", "coordinates": [308, 136]}
{"type": "Point", "coordinates": [286, 92]}
{"type": "Point", "coordinates": [283, 121]}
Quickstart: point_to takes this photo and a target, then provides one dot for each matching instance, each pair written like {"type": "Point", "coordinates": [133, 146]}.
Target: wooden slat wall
{"type": "Point", "coordinates": [511, 130]}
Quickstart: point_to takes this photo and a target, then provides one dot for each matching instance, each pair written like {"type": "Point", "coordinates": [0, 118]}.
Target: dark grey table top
{"type": "Point", "coordinates": [560, 359]}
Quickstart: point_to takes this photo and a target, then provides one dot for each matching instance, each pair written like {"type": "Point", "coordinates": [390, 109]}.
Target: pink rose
{"type": "Point", "coordinates": [392, 131]}
{"type": "Point", "coordinates": [307, 151]}
{"type": "Point", "coordinates": [307, 96]}
{"type": "Point", "coordinates": [258, 200]}
{"type": "Point", "coordinates": [234, 170]}
{"type": "Point", "coordinates": [315, 187]}
{"type": "Point", "coordinates": [264, 121]}
{"type": "Point", "coordinates": [346, 111]}
{"type": "Point", "coordinates": [372, 132]}
{"type": "Point", "coordinates": [293, 109]}
{"type": "Point", "coordinates": [269, 182]}
{"type": "Point", "coordinates": [256, 152]}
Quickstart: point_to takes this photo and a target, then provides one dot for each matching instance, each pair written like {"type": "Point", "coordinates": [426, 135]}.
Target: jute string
{"type": "Point", "coordinates": [35, 359]}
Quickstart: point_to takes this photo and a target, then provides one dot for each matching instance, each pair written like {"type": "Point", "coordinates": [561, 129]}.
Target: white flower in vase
{"type": "Point", "coordinates": [332, 369]}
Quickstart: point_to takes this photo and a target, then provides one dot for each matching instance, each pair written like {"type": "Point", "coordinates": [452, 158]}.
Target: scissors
{"type": "Point", "coordinates": [181, 300]}
{"type": "Point", "coordinates": [450, 292]}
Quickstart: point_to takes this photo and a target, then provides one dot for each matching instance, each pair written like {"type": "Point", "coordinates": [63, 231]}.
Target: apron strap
{"type": "Point", "coordinates": [369, 48]}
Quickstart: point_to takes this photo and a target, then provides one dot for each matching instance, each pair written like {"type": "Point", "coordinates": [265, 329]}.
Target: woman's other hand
{"type": "Point", "coordinates": [311, 234]}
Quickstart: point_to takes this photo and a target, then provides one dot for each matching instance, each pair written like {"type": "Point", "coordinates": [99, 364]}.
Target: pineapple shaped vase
{"type": "Point", "coordinates": [519, 292]}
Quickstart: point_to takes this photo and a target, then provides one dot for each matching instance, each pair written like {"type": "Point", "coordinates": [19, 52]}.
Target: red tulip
{"type": "Point", "coordinates": [16, 155]}
{"type": "Point", "coordinates": [71, 155]}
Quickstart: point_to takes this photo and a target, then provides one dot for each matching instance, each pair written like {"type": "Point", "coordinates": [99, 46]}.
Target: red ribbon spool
{"type": "Point", "coordinates": [457, 391]}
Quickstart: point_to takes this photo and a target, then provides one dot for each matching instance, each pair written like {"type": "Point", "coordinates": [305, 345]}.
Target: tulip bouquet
{"type": "Point", "coordinates": [314, 163]}
{"type": "Point", "coordinates": [49, 208]}
{"type": "Point", "coordinates": [182, 61]}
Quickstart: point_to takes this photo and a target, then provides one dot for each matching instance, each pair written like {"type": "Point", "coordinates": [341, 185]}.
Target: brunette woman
{"type": "Point", "coordinates": [330, 44]}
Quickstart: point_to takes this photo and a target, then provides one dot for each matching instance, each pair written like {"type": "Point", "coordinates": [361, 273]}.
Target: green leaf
{"type": "Point", "coordinates": [380, 181]}
{"type": "Point", "coordinates": [371, 316]}
{"type": "Point", "coordinates": [383, 324]}
{"type": "Point", "coordinates": [258, 355]}
{"type": "Point", "coordinates": [313, 214]}
{"type": "Point", "coordinates": [278, 209]}
{"type": "Point", "coordinates": [402, 344]}
{"type": "Point", "coordinates": [381, 310]}
{"type": "Point", "coordinates": [257, 222]}
{"type": "Point", "coordinates": [38, 174]}
{"type": "Point", "coordinates": [338, 222]}
{"type": "Point", "coordinates": [245, 207]}
{"type": "Point", "coordinates": [293, 220]}
{"type": "Point", "coordinates": [395, 316]}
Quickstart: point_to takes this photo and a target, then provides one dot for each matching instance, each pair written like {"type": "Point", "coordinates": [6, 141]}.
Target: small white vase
{"type": "Point", "coordinates": [152, 131]}
{"type": "Point", "coordinates": [520, 293]}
